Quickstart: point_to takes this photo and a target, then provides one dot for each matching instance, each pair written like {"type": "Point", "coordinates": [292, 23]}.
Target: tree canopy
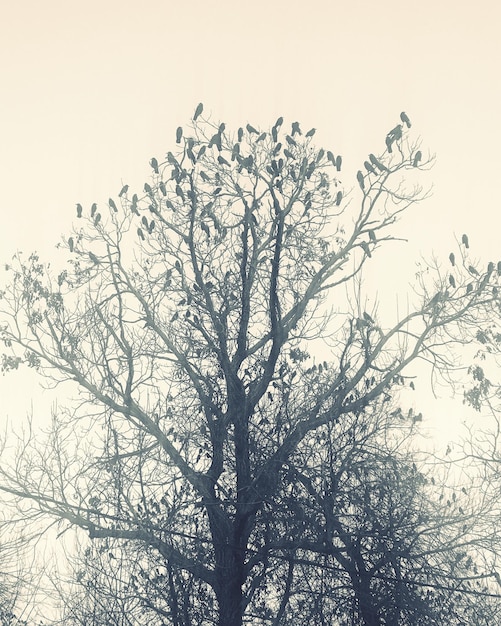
{"type": "Point", "coordinates": [237, 436]}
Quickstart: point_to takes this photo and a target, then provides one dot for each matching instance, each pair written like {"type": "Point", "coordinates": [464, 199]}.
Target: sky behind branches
{"type": "Point", "coordinates": [91, 91]}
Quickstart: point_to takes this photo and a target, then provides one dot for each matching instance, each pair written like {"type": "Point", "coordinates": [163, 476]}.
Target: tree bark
{"type": "Point", "coordinates": [229, 588]}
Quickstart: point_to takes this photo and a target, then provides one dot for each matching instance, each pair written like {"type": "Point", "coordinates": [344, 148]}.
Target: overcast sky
{"type": "Point", "coordinates": [92, 90]}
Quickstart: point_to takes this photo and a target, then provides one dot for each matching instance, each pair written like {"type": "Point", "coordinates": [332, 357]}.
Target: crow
{"type": "Point", "coordinates": [405, 119]}
{"type": "Point", "coordinates": [360, 178]}
{"type": "Point", "coordinates": [198, 111]}
{"type": "Point", "coordinates": [369, 167]}
{"type": "Point", "coordinates": [377, 163]}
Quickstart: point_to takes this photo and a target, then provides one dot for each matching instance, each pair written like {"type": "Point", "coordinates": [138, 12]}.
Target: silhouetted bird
{"type": "Point", "coordinates": [198, 111]}
{"type": "Point", "coordinates": [369, 167]}
{"type": "Point", "coordinates": [377, 163]}
{"type": "Point", "coordinates": [360, 178]}
{"type": "Point", "coordinates": [405, 119]}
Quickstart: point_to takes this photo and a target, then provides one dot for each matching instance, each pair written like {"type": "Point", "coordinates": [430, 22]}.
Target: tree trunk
{"type": "Point", "coordinates": [229, 591]}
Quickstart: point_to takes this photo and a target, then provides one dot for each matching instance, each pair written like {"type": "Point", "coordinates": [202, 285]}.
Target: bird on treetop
{"type": "Point", "coordinates": [405, 119]}
{"type": "Point", "coordinates": [198, 111]}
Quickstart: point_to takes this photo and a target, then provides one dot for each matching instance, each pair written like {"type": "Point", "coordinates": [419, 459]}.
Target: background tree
{"type": "Point", "coordinates": [378, 541]}
{"type": "Point", "coordinates": [186, 319]}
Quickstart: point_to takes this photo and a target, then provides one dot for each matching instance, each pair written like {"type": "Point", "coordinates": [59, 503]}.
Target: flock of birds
{"type": "Point", "coordinates": [491, 267]}
{"type": "Point", "coordinates": [374, 165]}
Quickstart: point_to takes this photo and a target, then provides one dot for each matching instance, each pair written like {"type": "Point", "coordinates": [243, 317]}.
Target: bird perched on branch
{"type": "Point", "coordinates": [369, 167]}
{"type": "Point", "coordinates": [405, 119]}
{"type": "Point", "coordinates": [360, 178]}
{"type": "Point", "coordinates": [394, 135]}
{"type": "Point", "coordinates": [198, 111]}
{"type": "Point", "coordinates": [377, 163]}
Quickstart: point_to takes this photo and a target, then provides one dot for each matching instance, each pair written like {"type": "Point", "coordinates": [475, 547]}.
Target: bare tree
{"type": "Point", "coordinates": [369, 538]}
{"type": "Point", "coordinates": [186, 318]}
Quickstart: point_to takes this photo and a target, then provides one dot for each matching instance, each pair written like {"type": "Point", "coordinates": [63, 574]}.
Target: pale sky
{"type": "Point", "coordinates": [92, 90]}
